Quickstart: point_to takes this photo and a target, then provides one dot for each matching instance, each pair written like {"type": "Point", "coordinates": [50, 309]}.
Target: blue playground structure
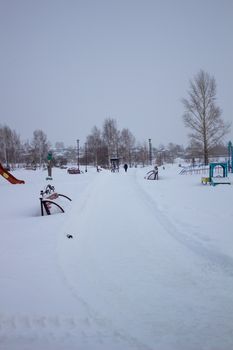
{"type": "Point", "coordinates": [219, 179]}
{"type": "Point", "coordinates": [222, 178]}
{"type": "Point", "coordinates": [216, 180]}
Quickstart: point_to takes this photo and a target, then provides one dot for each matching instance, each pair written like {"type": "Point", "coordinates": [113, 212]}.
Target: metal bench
{"type": "Point", "coordinates": [48, 199]}
{"type": "Point", "coordinates": [152, 175]}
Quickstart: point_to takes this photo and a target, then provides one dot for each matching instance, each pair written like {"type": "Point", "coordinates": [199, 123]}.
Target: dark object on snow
{"type": "Point", "coordinates": [115, 164]}
{"type": "Point", "coordinates": [152, 174]}
{"type": "Point", "coordinates": [73, 170]}
{"type": "Point", "coordinates": [69, 236]}
{"type": "Point", "coordinates": [125, 167]}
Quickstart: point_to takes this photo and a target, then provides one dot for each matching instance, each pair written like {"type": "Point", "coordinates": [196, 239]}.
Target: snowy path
{"type": "Point", "coordinates": [149, 267]}
{"type": "Point", "coordinates": [142, 278]}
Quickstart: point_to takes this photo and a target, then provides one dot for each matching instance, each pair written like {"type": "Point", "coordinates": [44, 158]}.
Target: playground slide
{"type": "Point", "coordinates": [9, 177]}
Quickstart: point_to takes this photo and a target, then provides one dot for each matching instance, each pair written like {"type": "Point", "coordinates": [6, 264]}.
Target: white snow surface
{"type": "Point", "coordinates": [150, 265]}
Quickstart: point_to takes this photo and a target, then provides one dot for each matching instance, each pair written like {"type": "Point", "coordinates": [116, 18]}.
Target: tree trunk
{"type": "Point", "coordinates": [206, 153]}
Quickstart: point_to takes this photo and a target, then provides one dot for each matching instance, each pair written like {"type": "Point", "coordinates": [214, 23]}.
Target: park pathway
{"type": "Point", "coordinates": [136, 276]}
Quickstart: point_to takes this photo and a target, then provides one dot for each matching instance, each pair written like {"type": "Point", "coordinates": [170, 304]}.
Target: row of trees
{"type": "Point", "coordinates": [202, 116]}
{"type": "Point", "coordinates": [13, 150]}
{"type": "Point", "coordinates": [110, 142]}
{"type": "Point", "coordinates": [102, 144]}
{"type": "Point", "coordinates": [99, 146]}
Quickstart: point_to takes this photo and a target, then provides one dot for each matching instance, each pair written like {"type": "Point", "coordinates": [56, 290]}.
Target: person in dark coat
{"type": "Point", "coordinates": [125, 167]}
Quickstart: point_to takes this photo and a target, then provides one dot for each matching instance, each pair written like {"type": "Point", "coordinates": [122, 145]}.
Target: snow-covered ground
{"type": "Point", "coordinates": [150, 265]}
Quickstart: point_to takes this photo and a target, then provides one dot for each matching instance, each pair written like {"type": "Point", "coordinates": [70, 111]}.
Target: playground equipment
{"type": "Point", "coordinates": [9, 177]}
{"type": "Point", "coordinates": [220, 178]}
{"type": "Point", "coordinates": [48, 198]}
{"type": "Point", "coordinates": [197, 169]}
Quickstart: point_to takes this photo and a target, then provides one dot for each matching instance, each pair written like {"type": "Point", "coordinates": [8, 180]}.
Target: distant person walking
{"type": "Point", "coordinates": [126, 167]}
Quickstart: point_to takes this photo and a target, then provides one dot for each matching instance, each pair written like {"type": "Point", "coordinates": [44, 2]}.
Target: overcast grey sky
{"type": "Point", "coordinates": [66, 65]}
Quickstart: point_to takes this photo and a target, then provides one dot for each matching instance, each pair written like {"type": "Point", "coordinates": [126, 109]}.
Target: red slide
{"type": "Point", "coordinates": [9, 177]}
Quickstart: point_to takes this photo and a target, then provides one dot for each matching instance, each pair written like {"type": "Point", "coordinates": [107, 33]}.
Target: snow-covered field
{"type": "Point", "coordinates": [150, 265]}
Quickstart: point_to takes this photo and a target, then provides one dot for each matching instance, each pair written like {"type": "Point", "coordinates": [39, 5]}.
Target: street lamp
{"type": "Point", "coordinates": [150, 152]}
{"type": "Point", "coordinates": [85, 157]}
{"type": "Point", "coordinates": [78, 153]}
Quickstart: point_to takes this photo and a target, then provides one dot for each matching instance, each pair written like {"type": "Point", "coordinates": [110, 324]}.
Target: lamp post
{"type": "Point", "coordinates": [230, 157]}
{"type": "Point", "coordinates": [78, 153]}
{"type": "Point", "coordinates": [85, 157]}
{"type": "Point", "coordinates": [150, 152]}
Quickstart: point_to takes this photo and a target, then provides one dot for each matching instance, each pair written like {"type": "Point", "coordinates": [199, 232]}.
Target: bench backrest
{"type": "Point", "coordinates": [52, 196]}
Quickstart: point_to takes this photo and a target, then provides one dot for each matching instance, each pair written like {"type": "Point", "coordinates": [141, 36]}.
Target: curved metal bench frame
{"type": "Point", "coordinates": [48, 201]}
{"type": "Point", "coordinates": [152, 175]}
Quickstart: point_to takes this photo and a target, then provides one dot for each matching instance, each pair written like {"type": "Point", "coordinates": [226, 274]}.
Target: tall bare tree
{"type": "Point", "coordinates": [111, 136]}
{"type": "Point", "coordinates": [96, 149]}
{"type": "Point", "coordinates": [10, 145]}
{"type": "Point", "coordinates": [202, 115]}
{"type": "Point", "coordinates": [40, 146]}
{"type": "Point", "coordinates": [142, 153]}
{"type": "Point", "coordinates": [127, 144]}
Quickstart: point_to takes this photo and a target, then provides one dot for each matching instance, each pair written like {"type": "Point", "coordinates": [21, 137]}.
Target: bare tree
{"type": "Point", "coordinates": [142, 153]}
{"type": "Point", "coordinates": [127, 144]}
{"type": "Point", "coordinates": [202, 115]}
{"type": "Point", "coordinates": [95, 147]}
{"type": "Point", "coordinates": [2, 145]}
{"type": "Point", "coordinates": [111, 136]}
{"type": "Point", "coordinates": [40, 146]}
{"type": "Point", "coordinates": [10, 145]}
